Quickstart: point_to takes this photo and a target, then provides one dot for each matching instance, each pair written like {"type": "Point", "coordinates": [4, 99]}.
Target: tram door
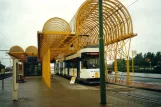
{"type": "Point", "coordinates": [78, 68]}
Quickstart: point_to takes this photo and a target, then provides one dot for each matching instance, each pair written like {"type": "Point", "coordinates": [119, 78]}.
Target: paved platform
{"type": "Point", "coordinates": [34, 93]}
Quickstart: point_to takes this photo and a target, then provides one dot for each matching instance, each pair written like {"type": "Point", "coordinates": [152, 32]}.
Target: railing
{"type": "Point", "coordinates": [111, 79]}
{"type": "Point", "coordinates": [6, 75]}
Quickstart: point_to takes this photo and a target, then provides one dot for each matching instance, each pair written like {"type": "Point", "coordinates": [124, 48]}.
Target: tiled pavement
{"type": "Point", "coordinates": [34, 93]}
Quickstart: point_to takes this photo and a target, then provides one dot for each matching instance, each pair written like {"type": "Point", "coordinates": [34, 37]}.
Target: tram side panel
{"type": "Point", "coordinates": [84, 66]}
{"type": "Point", "coordinates": [56, 68]}
{"type": "Point", "coordinates": [73, 68]}
{"type": "Point", "coordinates": [66, 68]}
{"type": "Point", "coordinates": [73, 72]}
{"type": "Point", "coordinates": [65, 71]}
{"type": "Point", "coordinates": [89, 73]}
{"type": "Point", "coordinates": [61, 68]}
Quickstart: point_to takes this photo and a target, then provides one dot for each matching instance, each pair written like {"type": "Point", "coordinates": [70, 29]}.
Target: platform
{"type": "Point", "coordinates": [34, 93]}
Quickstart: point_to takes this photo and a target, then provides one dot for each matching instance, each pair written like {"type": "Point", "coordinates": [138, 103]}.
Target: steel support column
{"type": "Point", "coordinates": [101, 55]}
{"type": "Point", "coordinates": [116, 71]}
{"type": "Point", "coordinates": [128, 71]}
{"type": "Point", "coordinates": [133, 53]}
{"type": "Point", "coordinates": [15, 84]}
{"type": "Point", "coordinates": [106, 70]}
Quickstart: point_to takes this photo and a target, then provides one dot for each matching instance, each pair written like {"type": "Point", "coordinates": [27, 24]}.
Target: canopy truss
{"type": "Point", "coordinates": [63, 39]}
{"type": "Point", "coordinates": [56, 37]}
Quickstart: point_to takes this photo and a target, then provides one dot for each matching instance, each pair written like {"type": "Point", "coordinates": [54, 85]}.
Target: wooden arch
{"type": "Point", "coordinates": [117, 22]}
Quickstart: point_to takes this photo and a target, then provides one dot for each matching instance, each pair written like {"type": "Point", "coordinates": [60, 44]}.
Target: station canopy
{"type": "Point", "coordinates": [62, 38]}
{"type": "Point", "coordinates": [56, 36]}
{"type": "Point", "coordinates": [18, 53]}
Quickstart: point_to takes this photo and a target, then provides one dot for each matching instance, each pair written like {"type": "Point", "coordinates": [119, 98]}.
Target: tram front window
{"type": "Point", "coordinates": [90, 62]}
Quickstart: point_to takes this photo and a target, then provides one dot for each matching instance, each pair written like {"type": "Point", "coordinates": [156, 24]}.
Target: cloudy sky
{"type": "Point", "coordinates": [21, 19]}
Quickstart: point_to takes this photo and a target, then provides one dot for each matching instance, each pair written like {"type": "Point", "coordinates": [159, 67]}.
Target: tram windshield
{"type": "Point", "coordinates": [90, 61]}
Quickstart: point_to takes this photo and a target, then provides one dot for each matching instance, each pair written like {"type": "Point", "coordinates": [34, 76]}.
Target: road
{"type": "Point", "coordinates": [146, 80]}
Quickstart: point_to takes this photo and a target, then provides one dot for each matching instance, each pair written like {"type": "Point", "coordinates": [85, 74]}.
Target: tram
{"type": "Point", "coordinates": [84, 65]}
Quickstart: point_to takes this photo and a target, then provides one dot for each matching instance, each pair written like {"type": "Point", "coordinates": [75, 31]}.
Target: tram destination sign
{"type": "Point", "coordinates": [92, 53]}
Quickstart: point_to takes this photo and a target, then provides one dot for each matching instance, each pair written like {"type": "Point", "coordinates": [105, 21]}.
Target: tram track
{"type": "Point", "coordinates": [140, 97]}
{"type": "Point", "coordinates": [144, 97]}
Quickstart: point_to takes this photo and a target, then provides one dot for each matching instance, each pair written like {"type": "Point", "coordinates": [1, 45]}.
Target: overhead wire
{"type": "Point", "coordinates": [3, 41]}
{"type": "Point", "coordinates": [133, 3]}
{"type": "Point", "coordinates": [4, 46]}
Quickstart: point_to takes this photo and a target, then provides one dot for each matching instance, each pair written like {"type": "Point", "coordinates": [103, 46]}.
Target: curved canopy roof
{"type": "Point", "coordinates": [19, 53]}
{"type": "Point", "coordinates": [31, 50]}
{"type": "Point", "coordinates": [117, 21]}
{"type": "Point", "coordinates": [117, 26]}
{"type": "Point", "coordinates": [56, 36]}
{"type": "Point", "coordinates": [57, 25]}
{"type": "Point", "coordinates": [16, 49]}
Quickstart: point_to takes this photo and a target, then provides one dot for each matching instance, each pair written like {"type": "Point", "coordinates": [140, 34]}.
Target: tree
{"type": "Point", "coordinates": [157, 58]}
{"type": "Point", "coordinates": [139, 59]}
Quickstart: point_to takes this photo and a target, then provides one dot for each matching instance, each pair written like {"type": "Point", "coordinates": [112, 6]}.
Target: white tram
{"type": "Point", "coordinates": [84, 65]}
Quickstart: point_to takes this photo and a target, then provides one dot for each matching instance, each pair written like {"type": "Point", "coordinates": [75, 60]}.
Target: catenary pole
{"type": "Point", "coordinates": [102, 61]}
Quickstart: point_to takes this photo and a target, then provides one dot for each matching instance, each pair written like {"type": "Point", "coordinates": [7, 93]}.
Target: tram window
{"type": "Point", "coordinates": [66, 65]}
{"type": "Point", "coordinates": [61, 66]}
{"type": "Point", "coordinates": [90, 62]}
{"type": "Point", "coordinates": [72, 64]}
{"type": "Point", "coordinates": [84, 65]}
